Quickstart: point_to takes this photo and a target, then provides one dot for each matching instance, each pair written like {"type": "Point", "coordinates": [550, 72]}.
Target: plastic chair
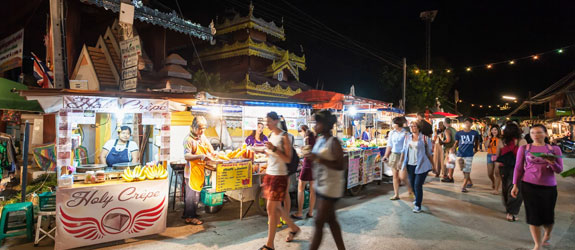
{"type": "Point", "coordinates": [5, 227]}
{"type": "Point", "coordinates": [40, 233]}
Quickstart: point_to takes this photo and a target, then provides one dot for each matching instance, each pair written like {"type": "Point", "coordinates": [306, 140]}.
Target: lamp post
{"type": "Point", "coordinates": [428, 17]}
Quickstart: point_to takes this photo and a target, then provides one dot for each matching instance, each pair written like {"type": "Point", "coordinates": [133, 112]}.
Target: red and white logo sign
{"type": "Point", "coordinates": [97, 214]}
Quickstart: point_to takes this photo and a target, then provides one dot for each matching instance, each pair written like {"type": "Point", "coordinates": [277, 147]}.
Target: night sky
{"type": "Point", "coordinates": [464, 33]}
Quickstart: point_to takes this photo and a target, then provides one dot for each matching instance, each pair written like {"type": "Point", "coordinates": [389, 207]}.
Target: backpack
{"type": "Point", "coordinates": [294, 163]}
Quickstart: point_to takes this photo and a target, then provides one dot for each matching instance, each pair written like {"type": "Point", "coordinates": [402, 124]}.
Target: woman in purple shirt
{"type": "Point", "coordinates": [257, 138]}
{"type": "Point", "coordinates": [535, 176]}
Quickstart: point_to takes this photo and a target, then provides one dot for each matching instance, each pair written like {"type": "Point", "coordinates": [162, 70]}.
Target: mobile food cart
{"type": "Point", "coordinates": [95, 202]}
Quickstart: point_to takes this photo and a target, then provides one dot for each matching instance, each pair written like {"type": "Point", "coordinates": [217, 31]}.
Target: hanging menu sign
{"type": "Point", "coordinates": [233, 176]}
{"type": "Point", "coordinates": [130, 49]}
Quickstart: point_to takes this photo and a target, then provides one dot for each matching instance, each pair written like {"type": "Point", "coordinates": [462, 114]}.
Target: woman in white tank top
{"type": "Point", "coordinates": [328, 168]}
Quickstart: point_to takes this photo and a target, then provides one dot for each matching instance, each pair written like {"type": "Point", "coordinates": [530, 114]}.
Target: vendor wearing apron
{"type": "Point", "coordinates": [120, 150]}
{"type": "Point", "coordinates": [197, 150]}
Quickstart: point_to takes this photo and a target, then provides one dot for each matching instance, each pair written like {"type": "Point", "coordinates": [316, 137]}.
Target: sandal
{"type": "Point", "coordinates": [470, 185]}
{"type": "Point", "coordinates": [296, 217]}
{"type": "Point", "coordinates": [194, 221]}
{"type": "Point", "coordinates": [264, 247]}
{"type": "Point", "coordinates": [293, 235]}
{"type": "Point", "coordinates": [464, 190]}
{"type": "Point", "coordinates": [547, 243]}
{"type": "Point", "coordinates": [394, 198]}
{"type": "Point", "coordinates": [308, 216]}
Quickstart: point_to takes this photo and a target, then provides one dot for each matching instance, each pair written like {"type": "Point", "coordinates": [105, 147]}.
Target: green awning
{"type": "Point", "coordinates": [12, 100]}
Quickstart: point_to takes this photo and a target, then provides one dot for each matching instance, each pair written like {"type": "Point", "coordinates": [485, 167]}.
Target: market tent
{"type": "Point", "coordinates": [11, 100]}
{"type": "Point", "coordinates": [443, 114]}
{"type": "Point", "coordinates": [332, 100]}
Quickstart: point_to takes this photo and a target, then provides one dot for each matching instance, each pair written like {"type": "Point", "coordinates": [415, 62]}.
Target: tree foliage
{"type": "Point", "coordinates": [422, 87]}
{"type": "Point", "coordinates": [210, 82]}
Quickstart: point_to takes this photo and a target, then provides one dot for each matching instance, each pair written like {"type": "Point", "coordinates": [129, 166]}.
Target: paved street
{"type": "Point", "coordinates": [451, 220]}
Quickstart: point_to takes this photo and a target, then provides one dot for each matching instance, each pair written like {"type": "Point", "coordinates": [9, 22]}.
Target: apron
{"type": "Point", "coordinates": [115, 156]}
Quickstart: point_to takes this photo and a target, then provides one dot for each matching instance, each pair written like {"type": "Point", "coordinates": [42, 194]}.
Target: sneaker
{"type": "Point", "coordinates": [417, 209]}
{"type": "Point", "coordinates": [469, 185]}
{"type": "Point", "coordinates": [464, 190]}
{"type": "Point", "coordinates": [445, 179]}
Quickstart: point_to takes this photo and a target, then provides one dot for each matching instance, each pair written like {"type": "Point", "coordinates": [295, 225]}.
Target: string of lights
{"type": "Point", "coordinates": [510, 62]}
{"type": "Point", "coordinates": [504, 106]}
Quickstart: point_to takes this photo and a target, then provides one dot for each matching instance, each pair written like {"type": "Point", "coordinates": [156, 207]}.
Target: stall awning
{"type": "Point", "coordinates": [10, 99]}
{"type": "Point", "coordinates": [393, 110]}
{"type": "Point", "coordinates": [444, 114]}
{"type": "Point", "coordinates": [332, 100]}
{"type": "Point", "coordinates": [568, 118]}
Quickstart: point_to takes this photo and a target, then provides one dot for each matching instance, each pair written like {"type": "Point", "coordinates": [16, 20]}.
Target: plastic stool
{"type": "Point", "coordinates": [11, 208]}
{"type": "Point", "coordinates": [39, 229]}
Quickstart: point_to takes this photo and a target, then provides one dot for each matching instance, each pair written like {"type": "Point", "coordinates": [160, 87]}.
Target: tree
{"type": "Point", "coordinates": [423, 87]}
{"type": "Point", "coordinates": [210, 82]}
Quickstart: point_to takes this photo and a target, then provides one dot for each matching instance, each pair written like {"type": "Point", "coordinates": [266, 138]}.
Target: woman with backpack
{"type": "Point", "coordinates": [506, 161]}
{"type": "Point", "coordinates": [537, 164]}
{"type": "Point", "coordinates": [275, 182]}
{"type": "Point", "coordinates": [418, 161]}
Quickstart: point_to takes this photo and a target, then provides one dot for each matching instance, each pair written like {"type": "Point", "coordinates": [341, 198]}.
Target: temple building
{"type": "Point", "coordinates": [245, 54]}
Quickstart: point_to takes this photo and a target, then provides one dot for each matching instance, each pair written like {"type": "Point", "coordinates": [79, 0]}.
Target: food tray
{"type": "Point", "coordinates": [90, 167]}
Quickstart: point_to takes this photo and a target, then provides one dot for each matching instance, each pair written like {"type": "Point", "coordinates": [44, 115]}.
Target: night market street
{"type": "Point", "coordinates": [451, 220]}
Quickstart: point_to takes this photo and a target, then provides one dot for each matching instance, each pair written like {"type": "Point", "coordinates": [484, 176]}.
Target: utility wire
{"type": "Point", "coordinates": [317, 34]}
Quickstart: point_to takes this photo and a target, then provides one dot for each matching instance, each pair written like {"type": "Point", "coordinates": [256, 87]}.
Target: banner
{"type": "Point", "coordinates": [354, 171]}
{"type": "Point", "coordinates": [369, 165]}
{"type": "Point", "coordinates": [378, 166]}
{"type": "Point", "coordinates": [233, 176]}
{"type": "Point", "coordinates": [93, 103]}
{"type": "Point", "coordinates": [11, 49]}
{"type": "Point", "coordinates": [101, 213]}
{"type": "Point", "coordinates": [130, 105]}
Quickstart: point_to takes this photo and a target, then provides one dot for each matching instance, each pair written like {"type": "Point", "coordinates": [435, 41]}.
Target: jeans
{"type": "Point", "coordinates": [191, 201]}
{"type": "Point", "coordinates": [416, 181]}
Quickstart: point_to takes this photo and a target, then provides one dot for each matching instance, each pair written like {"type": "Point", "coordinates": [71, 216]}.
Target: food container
{"type": "Point", "coordinates": [89, 177]}
{"type": "Point", "coordinates": [66, 181]}
{"type": "Point", "coordinates": [100, 176]}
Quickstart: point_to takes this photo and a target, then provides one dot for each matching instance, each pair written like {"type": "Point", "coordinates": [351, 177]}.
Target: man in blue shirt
{"type": "Point", "coordinates": [366, 136]}
{"type": "Point", "coordinates": [467, 144]}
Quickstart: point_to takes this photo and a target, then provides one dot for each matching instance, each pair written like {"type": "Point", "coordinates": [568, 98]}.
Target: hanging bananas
{"type": "Point", "coordinates": [147, 172]}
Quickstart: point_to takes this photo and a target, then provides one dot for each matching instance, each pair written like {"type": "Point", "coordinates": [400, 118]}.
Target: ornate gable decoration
{"type": "Point", "coordinates": [251, 22]}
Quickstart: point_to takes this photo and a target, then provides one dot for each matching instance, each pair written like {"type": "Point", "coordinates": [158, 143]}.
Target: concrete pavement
{"type": "Point", "coordinates": [451, 220]}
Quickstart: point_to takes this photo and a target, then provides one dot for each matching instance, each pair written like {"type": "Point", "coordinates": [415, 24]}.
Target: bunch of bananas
{"type": "Point", "coordinates": [155, 172]}
{"type": "Point", "coordinates": [134, 175]}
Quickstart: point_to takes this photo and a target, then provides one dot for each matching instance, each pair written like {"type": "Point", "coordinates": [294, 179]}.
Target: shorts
{"type": "Point", "coordinates": [395, 161]}
{"type": "Point", "coordinates": [306, 174]}
{"type": "Point", "coordinates": [450, 161]}
{"type": "Point", "coordinates": [465, 163]}
{"type": "Point", "coordinates": [274, 187]}
{"type": "Point", "coordinates": [490, 158]}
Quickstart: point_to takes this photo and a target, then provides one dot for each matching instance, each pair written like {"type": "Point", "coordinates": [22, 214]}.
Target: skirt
{"type": "Point", "coordinates": [274, 187]}
{"type": "Point", "coordinates": [539, 203]}
{"type": "Point", "coordinates": [306, 174]}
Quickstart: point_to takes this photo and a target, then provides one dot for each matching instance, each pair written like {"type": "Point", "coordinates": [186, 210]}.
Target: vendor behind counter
{"type": "Point", "coordinates": [120, 150]}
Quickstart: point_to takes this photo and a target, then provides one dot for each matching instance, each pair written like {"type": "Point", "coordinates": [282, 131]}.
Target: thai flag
{"type": "Point", "coordinates": [42, 73]}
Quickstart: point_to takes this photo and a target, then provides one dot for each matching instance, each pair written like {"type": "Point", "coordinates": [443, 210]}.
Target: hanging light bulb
{"type": "Point", "coordinates": [472, 105]}
{"type": "Point", "coordinates": [535, 57]}
{"type": "Point", "coordinates": [448, 70]}
{"type": "Point", "coordinates": [430, 71]}
{"type": "Point", "coordinates": [480, 106]}
{"type": "Point", "coordinates": [489, 106]}
{"type": "Point", "coordinates": [468, 69]}
{"type": "Point", "coordinates": [416, 71]}
{"type": "Point", "coordinates": [560, 51]}
{"type": "Point", "coordinates": [511, 62]}
{"type": "Point", "coordinates": [489, 66]}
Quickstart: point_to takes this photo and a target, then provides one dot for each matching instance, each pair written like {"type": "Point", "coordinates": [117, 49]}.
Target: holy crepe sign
{"type": "Point", "coordinates": [96, 214]}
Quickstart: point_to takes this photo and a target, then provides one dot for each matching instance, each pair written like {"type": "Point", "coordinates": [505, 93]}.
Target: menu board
{"type": "Point", "coordinates": [354, 172]}
{"type": "Point", "coordinates": [233, 176]}
{"type": "Point", "coordinates": [368, 165]}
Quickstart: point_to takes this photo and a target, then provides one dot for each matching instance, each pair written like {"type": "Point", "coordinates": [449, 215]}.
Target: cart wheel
{"type": "Point", "coordinates": [355, 190]}
{"type": "Point", "coordinates": [261, 203]}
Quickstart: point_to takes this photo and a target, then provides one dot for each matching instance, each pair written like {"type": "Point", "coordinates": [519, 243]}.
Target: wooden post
{"type": "Point", "coordinates": [530, 108]}
{"type": "Point", "coordinates": [58, 47]}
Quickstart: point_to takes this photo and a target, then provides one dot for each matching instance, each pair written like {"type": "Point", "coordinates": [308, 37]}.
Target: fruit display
{"type": "Point", "coordinates": [142, 173]}
{"type": "Point", "coordinates": [241, 153]}
{"type": "Point", "coordinates": [155, 172]}
{"type": "Point", "coordinates": [137, 174]}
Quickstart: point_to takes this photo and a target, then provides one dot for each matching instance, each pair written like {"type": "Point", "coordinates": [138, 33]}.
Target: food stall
{"type": "Point", "coordinates": [238, 168]}
{"type": "Point", "coordinates": [355, 114]}
{"type": "Point", "coordinates": [98, 202]}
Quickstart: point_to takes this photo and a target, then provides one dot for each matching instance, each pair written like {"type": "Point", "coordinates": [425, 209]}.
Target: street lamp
{"type": "Point", "coordinates": [509, 98]}
{"type": "Point", "coordinates": [428, 17]}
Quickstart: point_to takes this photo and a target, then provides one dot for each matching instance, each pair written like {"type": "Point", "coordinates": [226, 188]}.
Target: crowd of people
{"type": "Point", "coordinates": [521, 172]}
